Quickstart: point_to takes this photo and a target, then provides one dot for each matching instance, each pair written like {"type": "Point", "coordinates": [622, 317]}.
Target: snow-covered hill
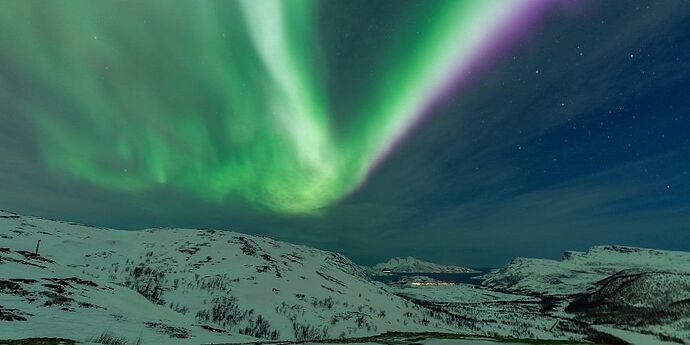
{"type": "Point", "coordinates": [187, 286]}
{"type": "Point", "coordinates": [644, 302]}
{"type": "Point", "coordinates": [183, 286]}
{"type": "Point", "coordinates": [626, 291]}
{"type": "Point", "coordinates": [579, 271]}
{"type": "Point", "coordinates": [414, 265]}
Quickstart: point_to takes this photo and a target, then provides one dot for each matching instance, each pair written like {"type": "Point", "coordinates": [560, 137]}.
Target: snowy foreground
{"type": "Point", "coordinates": [178, 286]}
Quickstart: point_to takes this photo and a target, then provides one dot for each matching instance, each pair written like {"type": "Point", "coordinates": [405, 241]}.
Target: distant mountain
{"type": "Point", "coordinates": [414, 265]}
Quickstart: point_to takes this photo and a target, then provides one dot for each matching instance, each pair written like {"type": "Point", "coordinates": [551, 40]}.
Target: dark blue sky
{"type": "Point", "coordinates": [579, 136]}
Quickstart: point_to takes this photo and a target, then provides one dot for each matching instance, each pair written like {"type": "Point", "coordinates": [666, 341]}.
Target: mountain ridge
{"type": "Point", "coordinates": [187, 286]}
{"type": "Point", "coordinates": [411, 264]}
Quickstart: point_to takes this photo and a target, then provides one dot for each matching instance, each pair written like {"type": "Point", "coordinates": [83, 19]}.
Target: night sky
{"type": "Point", "coordinates": [458, 131]}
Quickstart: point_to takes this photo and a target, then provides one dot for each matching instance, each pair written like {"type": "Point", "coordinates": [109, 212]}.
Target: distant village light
{"type": "Point", "coordinates": [431, 283]}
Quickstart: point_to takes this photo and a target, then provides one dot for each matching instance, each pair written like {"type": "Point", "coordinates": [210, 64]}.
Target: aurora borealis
{"type": "Point", "coordinates": [230, 100]}
{"type": "Point", "coordinates": [459, 131]}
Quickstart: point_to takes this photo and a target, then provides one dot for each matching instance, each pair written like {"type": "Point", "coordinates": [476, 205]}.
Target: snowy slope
{"type": "Point", "coordinates": [414, 265]}
{"type": "Point", "coordinates": [186, 286]}
{"type": "Point", "coordinates": [181, 286]}
{"type": "Point", "coordinates": [496, 314]}
{"type": "Point", "coordinates": [655, 303]}
{"type": "Point", "coordinates": [578, 271]}
{"type": "Point", "coordinates": [624, 290]}
{"type": "Point", "coordinates": [459, 294]}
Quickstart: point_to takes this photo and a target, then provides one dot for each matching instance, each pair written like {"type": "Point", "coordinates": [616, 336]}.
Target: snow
{"type": "Point", "coordinates": [189, 286]}
{"type": "Point", "coordinates": [432, 341]}
{"type": "Point", "coordinates": [414, 265]}
{"type": "Point", "coordinates": [633, 337]}
{"type": "Point", "coordinates": [463, 342]}
{"type": "Point", "coordinates": [460, 293]}
{"type": "Point", "coordinates": [634, 290]}
{"type": "Point", "coordinates": [193, 286]}
{"type": "Point", "coordinates": [578, 271]}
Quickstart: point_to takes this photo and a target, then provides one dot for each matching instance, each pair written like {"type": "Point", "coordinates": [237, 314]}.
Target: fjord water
{"type": "Point", "coordinates": [457, 278]}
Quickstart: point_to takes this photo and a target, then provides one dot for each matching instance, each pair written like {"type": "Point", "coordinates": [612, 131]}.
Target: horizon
{"type": "Point", "coordinates": [480, 269]}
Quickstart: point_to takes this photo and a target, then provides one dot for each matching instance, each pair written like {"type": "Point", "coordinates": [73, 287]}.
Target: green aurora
{"type": "Point", "coordinates": [224, 100]}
